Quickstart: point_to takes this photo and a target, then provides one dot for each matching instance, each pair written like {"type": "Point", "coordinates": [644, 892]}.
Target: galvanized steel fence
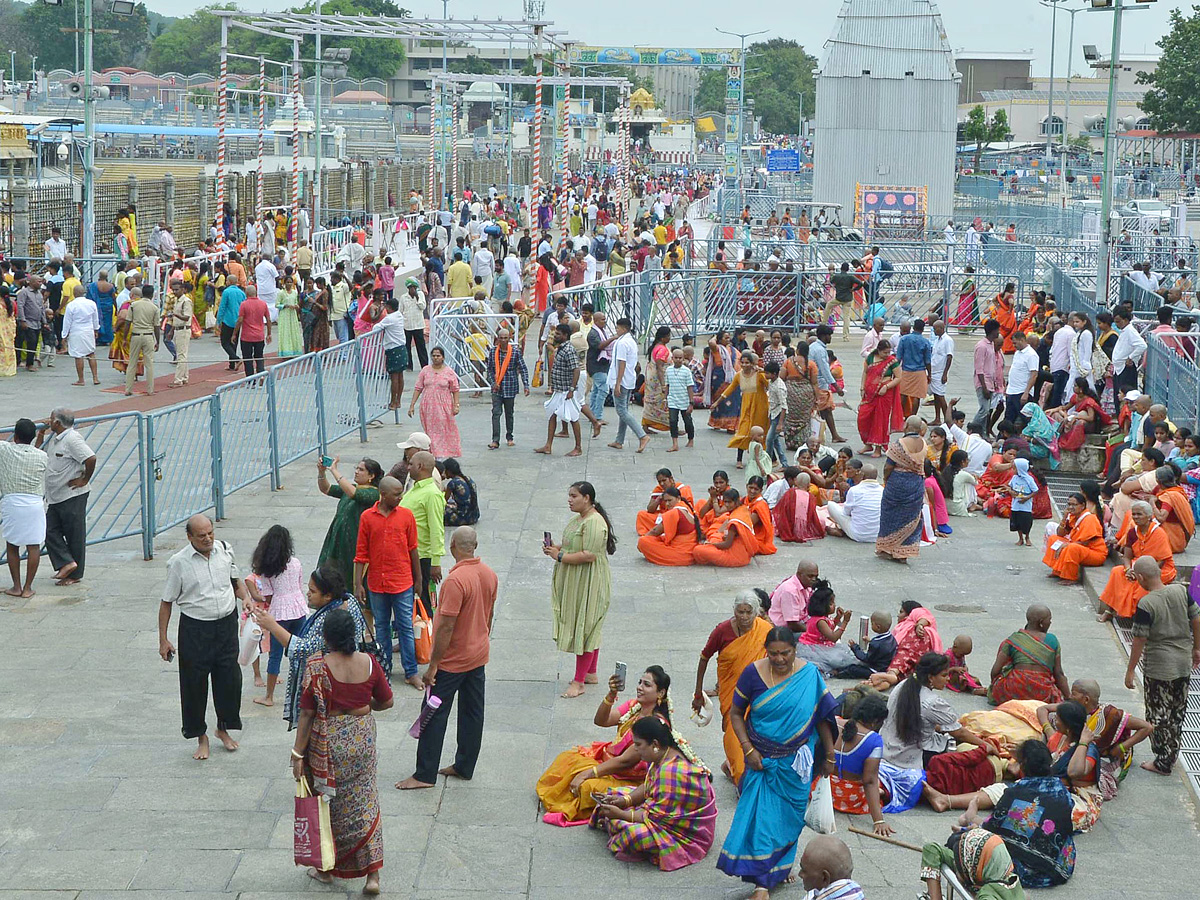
{"type": "Point", "coordinates": [155, 470]}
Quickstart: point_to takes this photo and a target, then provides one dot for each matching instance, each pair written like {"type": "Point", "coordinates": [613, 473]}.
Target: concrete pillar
{"type": "Point", "coordinates": [347, 185]}
{"type": "Point", "coordinates": [369, 188]}
{"type": "Point", "coordinates": [20, 212]}
{"type": "Point", "coordinates": [133, 189]}
{"type": "Point", "coordinates": [169, 198]}
{"type": "Point", "coordinates": [206, 218]}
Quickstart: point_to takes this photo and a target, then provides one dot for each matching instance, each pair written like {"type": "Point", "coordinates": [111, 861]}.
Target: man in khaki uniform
{"type": "Point", "coordinates": [181, 321]}
{"type": "Point", "coordinates": [143, 339]}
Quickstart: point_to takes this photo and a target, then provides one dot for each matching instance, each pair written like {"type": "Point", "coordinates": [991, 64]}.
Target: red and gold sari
{"type": "Point", "coordinates": [879, 415]}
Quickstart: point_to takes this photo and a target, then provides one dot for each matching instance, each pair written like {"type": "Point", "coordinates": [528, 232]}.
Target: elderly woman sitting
{"type": "Point", "coordinates": [1147, 537]}
{"type": "Point", "coordinates": [1029, 663]}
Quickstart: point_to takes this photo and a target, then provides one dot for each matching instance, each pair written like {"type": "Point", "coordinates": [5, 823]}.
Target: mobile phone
{"type": "Point", "coordinates": [620, 671]}
{"type": "Point", "coordinates": [170, 655]}
{"type": "Point", "coordinates": [546, 539]}
{"type": "Point", "coordinates": [327, 461]}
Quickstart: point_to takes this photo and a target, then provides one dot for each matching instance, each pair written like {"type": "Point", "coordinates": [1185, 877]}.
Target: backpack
{"type": "Point", "coordinates": [886, 269]}
{"type": "Point", "coordinates": [600, 250]}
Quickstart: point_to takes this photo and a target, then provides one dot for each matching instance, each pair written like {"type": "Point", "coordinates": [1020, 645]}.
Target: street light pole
{"type": "Point", "coordinates": [446, 180]}
{"type": "Point", "coordinates": [88, 237]}
{"type": "Point", "coordinates": [316, 183]}
{"type": "Point", "coordinates": [1104, 258]}
{"type": "Point", "coordinates": [1067, 112]}
{"type": "Point", "coordinates": [1053, 4]}
{"type": "Point", "coordinates": [741, 36]}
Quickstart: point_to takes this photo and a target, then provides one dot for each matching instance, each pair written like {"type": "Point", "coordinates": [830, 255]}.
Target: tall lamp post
{"type": "Point", "coordinates": [1053, 4]}
{"type": "Point", "coordinates": [741, 36]}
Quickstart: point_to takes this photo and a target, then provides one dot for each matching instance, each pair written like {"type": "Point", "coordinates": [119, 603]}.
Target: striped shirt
{"type": "Point", "coordinates": [22, 469]}
{"type": "Point", "coordinates": [679, 387]}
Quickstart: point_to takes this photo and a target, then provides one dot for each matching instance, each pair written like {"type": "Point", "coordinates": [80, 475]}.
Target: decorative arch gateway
{"type": "Point", "coordinates": [294, 26]}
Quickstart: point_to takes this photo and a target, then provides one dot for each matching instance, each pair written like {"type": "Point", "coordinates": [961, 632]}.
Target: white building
{"type": "Point", "coordinates": [887, 95]}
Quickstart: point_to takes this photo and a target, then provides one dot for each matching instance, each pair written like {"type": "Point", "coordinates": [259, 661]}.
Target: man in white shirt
{"type": "Point", "coordinates": [1060, 360]}
{"type": "Point", "coordinates": [1127, 354]}
{"type": "Point", "coordinates": [395, 347]}
{"type": "Point", "coordinates": [483, 265]}
{"type": "Point", "coordinates": [950, 234]}
{"type": "Point", "coordinates": [873, 336]}
{"type": "Point", "coordinates": [252, 233]}
{"type": "Point", "coordinates": [204, 583]}
{"type": "Point", "coordinates": [939, 366]}
{"type": "Point", "coordinates": [512, 268]}
{"type": "Point", "coordinates": [858, 517]}
{"type": "Point", "coordinates": [55, 247]}
{"type": "Point", "coordinates": [973, 245]}
{"type": "Point", "coordinates": [589, 265]}
{"type": "Point", "coordinates": [1022, 374]}
{"type": "Point", "coordinates": [266, 278]}
{"type": "Point", "coordinates": [622, 379]}
{"type": "Point", "coordinates": [166, 242]}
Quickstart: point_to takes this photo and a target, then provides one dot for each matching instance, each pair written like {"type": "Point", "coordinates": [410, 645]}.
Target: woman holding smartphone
{"type": "Point", "coordinates": [582, 583]}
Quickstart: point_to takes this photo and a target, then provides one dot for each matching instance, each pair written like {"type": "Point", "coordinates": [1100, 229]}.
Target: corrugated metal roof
{"type": "Point", "coordinates": [889, 39]}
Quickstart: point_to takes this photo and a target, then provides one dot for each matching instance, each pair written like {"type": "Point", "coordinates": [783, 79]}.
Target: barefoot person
{"type": "Point", "coordinates": [80, 326]}
{"type": "Point", "coordinates": [22, 514]}
{"type": "Point", "coordinates": [564, 404]}
{"type": "Point", "coordinates": [1166, 640]}
{"type": "Point", "coordinates": [70, 464]}
{"type": "Point", "coordinates": [461, 635]}
{"type": "Point", "coordinates": [204, 583]}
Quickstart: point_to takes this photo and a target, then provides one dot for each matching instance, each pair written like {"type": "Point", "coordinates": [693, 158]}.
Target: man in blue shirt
{"type": "Point", "coordinates": [916, 365]}
{"type": "Point", "coordinates": [232, 298]}
{"type": "Point", "coordinates": [818, 352]}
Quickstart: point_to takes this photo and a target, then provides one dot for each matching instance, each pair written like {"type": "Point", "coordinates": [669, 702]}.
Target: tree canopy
{"type": "Point", "coordinates": [778, 71]}
{"type": "Point", "coordinates": [1173, 102]}
{"type": "Point", "coordinates": [41, 30]}
{"type": "Point", "coordinates": [981, 130]}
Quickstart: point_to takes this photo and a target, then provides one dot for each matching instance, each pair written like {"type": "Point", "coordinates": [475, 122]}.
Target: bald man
{"type": "Point", "coordinates": [825, 869]}
{"type": "Point", "coordinates": [461, 640]}
{"type": "Point", "coordinates": [789, 600]}
{"type": "Point", "coordinates": [204, 583]}
{"type": "Point", "coordinates": [1116, 734]}
{"type": "Point", "coordinates": [428, 506]}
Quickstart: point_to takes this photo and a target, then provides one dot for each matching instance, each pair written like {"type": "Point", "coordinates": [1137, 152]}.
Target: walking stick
{"type": "Point", "coordinates": [886, 840]}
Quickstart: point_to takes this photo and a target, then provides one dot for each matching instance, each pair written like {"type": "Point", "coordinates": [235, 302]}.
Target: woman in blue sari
{"type": "Point", "coordinates": [724, 360]}
{"type": "Point", "coordinates": [1042, 434]}
{"type": "Point", "coordinates": [903, 504]}
{"type": "Point", "coordinates": [326, 592]}
{"type": "Point", "coordinates": [781, 711]}
{"type": "Point", "coordinates": [104, 295]}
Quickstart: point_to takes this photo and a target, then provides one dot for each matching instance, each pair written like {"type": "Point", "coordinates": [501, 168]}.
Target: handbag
{"type": "Point", "coordinates": [196, 330]}
{"type": "Point", "coordinates": [313, 840]}
{"type": "Point", "coordinates": [819, 815]}
{"type": "Point", "coordinates": [422, 631]}
{"type": "Point", "coordinates": [537, 374]}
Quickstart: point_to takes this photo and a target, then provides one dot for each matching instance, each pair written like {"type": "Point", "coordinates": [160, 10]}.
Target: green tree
{"type": "Point", "coordinates": [778, 71]}
{"type": "Point", "coordinates": [983, 131]}
{"type": "Point", "coordinates": [472, 65]}
{"type": "Point", "coordinates": [1173, 101]}
{"type": "Point", "coordinates": [41, 31]}
{"type": "Point", "coordinates": [710, 95]}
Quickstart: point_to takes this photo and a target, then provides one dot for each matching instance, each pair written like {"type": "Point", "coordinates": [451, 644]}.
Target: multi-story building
{"type": "Point", "coordinates": [990, 70]}
{"type": "Point", "coordinates": [410, 86]}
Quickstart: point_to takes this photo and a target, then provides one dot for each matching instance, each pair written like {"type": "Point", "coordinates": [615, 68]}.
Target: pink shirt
{"type": "Point", "coordinates": [989, 366]}
{"type": "Point", "coordinates": [387, 278]}
{"type": "Point", "coordinates": [254, 318]}
{"type": "Point", "coordinates": [286, 592]}
{"type": "Point", "coordinates": [789, 602]}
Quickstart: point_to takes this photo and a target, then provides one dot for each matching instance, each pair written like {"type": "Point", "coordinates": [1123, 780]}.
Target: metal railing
{"type": "Point", "coordinates": [465, 339]}
{"type": "Point", "coordinates": [155, 470]}
{"type": "Point", "coordinates": [326, 243]}
{"type": "Point", "coordinates": [1173, 377]}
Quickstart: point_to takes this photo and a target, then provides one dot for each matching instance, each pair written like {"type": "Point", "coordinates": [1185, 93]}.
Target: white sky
{"type": "Point", "coordinates": [970, 24]}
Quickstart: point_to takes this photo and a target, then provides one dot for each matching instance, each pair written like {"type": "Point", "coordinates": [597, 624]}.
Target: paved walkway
{"type": "Point", "coordinates": [102, 796]}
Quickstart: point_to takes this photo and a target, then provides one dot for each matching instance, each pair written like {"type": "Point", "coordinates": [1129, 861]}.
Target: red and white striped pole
{"type": "Point", "coordinates": [295, 226]}
{"type": "Point", "coordinates": [222, 101]}
{"type": "Point", "coordinates": [566, 153]}
{"type": "Point", "coordinates": [434, 108]}
{"type": "Point", "coordinates": [262, 124]}
{"type": "Point", "coordinates": [454, 145]}
{"type": "Point", "coordinates": [537, 132]}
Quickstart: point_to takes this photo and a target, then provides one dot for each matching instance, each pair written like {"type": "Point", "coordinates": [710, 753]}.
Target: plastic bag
{"type": "Point", "coordinates": [248, 643]}
{"type": "Point", "coordinates": [819, 815]}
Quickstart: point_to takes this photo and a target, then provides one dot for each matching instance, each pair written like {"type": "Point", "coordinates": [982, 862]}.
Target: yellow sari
{"type": "Point", "coordinates": [731, 661]}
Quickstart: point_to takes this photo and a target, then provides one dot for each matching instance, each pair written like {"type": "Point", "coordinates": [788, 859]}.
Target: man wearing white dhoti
{"type": "Point", "coordinates": [22, 511]}
{"type": "Point", "coordinates": [81, 323]}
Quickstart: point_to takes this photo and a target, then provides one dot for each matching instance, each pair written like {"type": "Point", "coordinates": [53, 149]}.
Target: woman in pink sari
{"type": "Point", "coordinates": [879, 412]}
{"type": "Point", "coordinates": [437, 389]}
{"type": "Point", "coordinates": [795, 515]}
{"type": "Point", "coordinates": [916, 634]}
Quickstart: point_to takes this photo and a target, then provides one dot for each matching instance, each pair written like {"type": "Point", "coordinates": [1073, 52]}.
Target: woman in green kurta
{"type": "Point", "coordinates": [287, 301]}
{"type": "Point", "coordinates": [582, 583]}
{"type": "Point", "coordinates": [353, 496]}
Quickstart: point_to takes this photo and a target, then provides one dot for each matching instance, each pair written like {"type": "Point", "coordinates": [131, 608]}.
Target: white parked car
{"type": "Point", "coordinates": [1136, 209]}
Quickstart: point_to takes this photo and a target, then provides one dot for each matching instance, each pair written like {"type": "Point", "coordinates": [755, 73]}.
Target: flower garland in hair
{"type": "Point", "coordinates": [685, 748]}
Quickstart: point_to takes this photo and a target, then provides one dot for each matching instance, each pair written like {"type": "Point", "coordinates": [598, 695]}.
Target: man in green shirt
{"type": "Point", "coordinates": [428, 505]}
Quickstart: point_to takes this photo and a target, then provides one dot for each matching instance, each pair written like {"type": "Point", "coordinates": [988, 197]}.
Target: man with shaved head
{"type": "Point", "coordinates": [1116, 733]}
{"type": "Point", "coordinates": [825, 869]}
{"type": "Point", "coordinates": [858, 517]}
{"type": "Point", "coordinates": [428, 505]}
{"type": "Point", "coordinates": [204, 583]}
{"type": "Point", "coordinates": [789, 600]}
{"type": "Point", "coordinates": [461, 641]}
{"type": "Point", "coordinates": [1166, 641]}
{"type": "Point", "coordinates": [387, 556]}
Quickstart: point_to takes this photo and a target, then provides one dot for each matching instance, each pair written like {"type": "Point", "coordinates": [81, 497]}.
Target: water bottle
{"type": "Point", "coordinates": [429, 706]}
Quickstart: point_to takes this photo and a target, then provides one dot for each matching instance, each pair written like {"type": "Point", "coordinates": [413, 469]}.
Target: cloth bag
{"type": "Point", "coordinates": [537, 374]}
{"type": "Point", "coordinates": [313, 841]}
{"type": "Point", "coordinates": [819, 815]}
{"type": "Point", "coordinates": [422, 631]}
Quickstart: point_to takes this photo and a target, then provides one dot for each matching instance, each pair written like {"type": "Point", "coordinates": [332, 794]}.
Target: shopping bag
{"type": "Point", "coordinates": [819, 815]}
{"type": "Point", "coordinates": [422, 631]}
{"type": "Point", "coordinates": [248, 644]}
{"type": "Point", "coordinates": [313, 841]}
{"type": "Point", "coordinates": [537, 374]}
{"type": "Point", "coordinates": [196, 330]}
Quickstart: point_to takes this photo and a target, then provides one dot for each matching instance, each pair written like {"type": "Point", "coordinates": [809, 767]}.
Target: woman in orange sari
{"type": "Point", "coordinates": [760, 516]}
{"type": "Point", "coordinates": [1146, 538]}
{"type": "Point", "coordinates": [729, 542]}
{"type": "Point", "coordinates": [737, 642]}
{"type": "Point", "coordinates": [1080, 541]}
{"type": "Point", "coordinates": [652, 514]}
{"type": "Point", "coordinates": [1004, 311]}
{"type": "Point", "coordinates": [1174, 508]}
{"type": "Point", "coordinates": [671, 541]}
{"type": "Point", "coordinates": [879, 411]}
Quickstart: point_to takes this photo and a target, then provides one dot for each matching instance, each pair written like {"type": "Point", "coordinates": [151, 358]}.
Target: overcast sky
{"type": "Point", "coordinates": [970, 24]}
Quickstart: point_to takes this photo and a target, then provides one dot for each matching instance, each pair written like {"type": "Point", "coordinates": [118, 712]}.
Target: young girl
{"type": "Point", "coordinates": [281, 586]}
{"type": "Point", "coordinates": [1021, 487]}
{"type": "Point", "coordinates": [961, 680]}
{"type": "Point", "coordinates": [840, 468]}
{"type": "Point", "coordinates": [826, 624]}
{"type": "Point", "coordinates": [758, 465]}
{"type": "Point", "coordinates": [959, 485]}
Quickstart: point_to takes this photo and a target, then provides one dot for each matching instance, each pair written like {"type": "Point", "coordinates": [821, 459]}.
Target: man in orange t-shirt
{"type": "Point", "coordinates": [462, 630]}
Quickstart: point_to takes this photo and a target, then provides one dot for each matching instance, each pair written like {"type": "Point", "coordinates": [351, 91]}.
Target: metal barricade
{"type": "Point", "coordinates": [246, 432]}
{"type": "Point", "coordinates": [1172, 376]}
{"type": "Point", "coordinates": [465, 338]}
{"type": "Point", "coordinates": [183, 470]}
{"type": "Point", "coordinates": [1144, 302]}
{"type": "Point", "coordinates": [294, 386]}
{"type": "Point", "coordinates": [325, 244]}
{"type": "Point", "coordinates": [375, 387]}
{"type": "Point", "coordinates": [342, 412]}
